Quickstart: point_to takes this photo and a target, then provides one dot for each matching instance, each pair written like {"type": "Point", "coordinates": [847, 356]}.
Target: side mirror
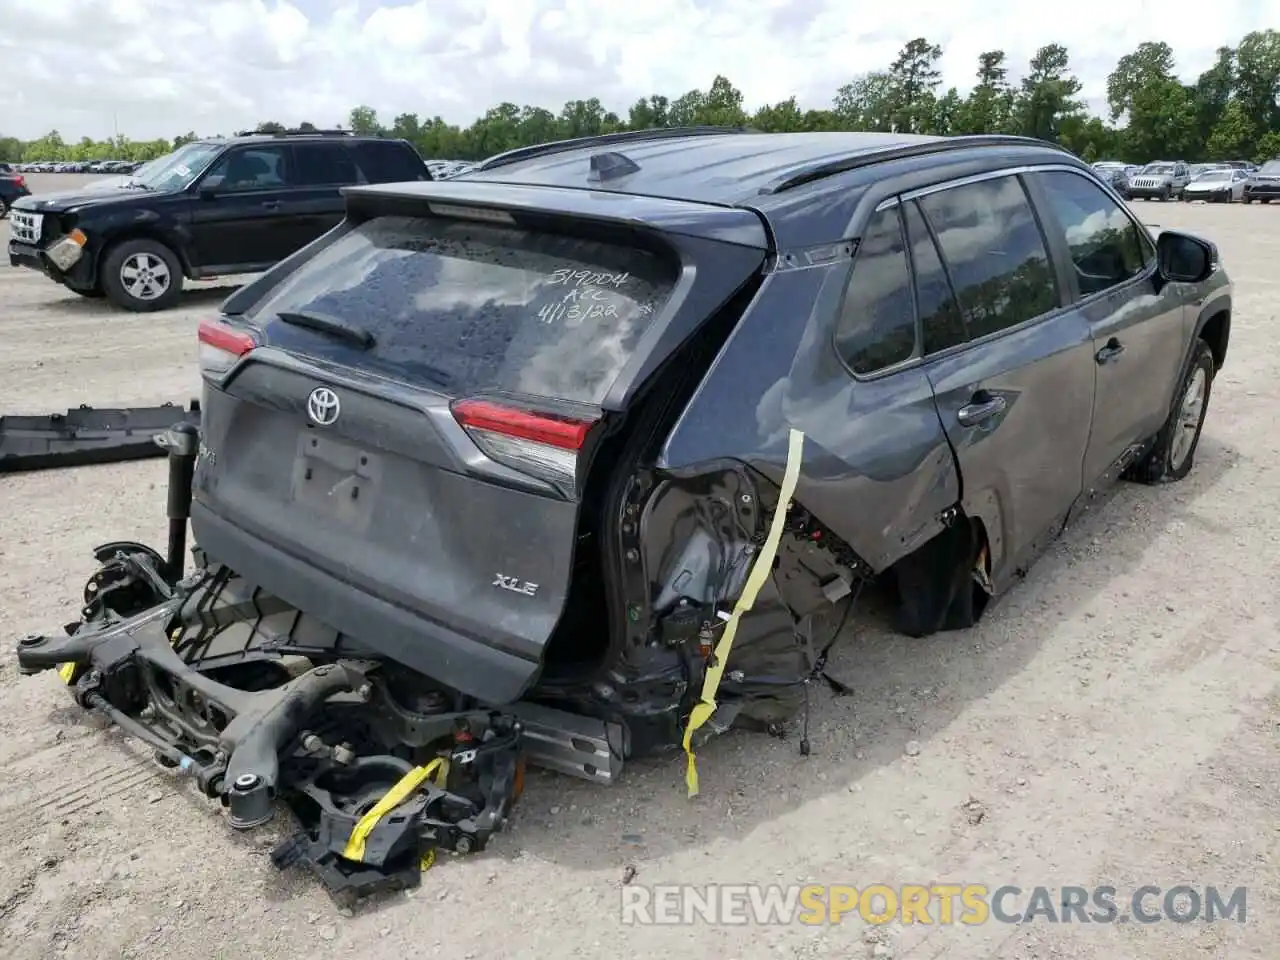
{"type": "Point", "coordinates": [210, 186]}
{"type": "Point", "coordinates": [1184, 258]}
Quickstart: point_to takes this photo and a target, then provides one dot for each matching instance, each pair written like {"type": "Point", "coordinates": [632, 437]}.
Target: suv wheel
{"type": "Point", "coordinates": [1174, 452]}
{"type": "Point", "coordinates": [4, 209]}
{"type": "Point", "coordinates": [142, 276]}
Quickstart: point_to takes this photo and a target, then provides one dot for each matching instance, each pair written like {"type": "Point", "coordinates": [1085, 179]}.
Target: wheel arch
{"type": "Point", "coordinates": [141, 231]}
{"type": "Point", "coordinates": [1213, 326]}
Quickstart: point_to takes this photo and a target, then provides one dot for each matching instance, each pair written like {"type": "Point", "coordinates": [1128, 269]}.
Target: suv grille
{"type": "Point", "coordinates": [25, 227]}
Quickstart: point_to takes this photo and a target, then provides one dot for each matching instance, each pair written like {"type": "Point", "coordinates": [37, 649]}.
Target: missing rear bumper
{"type": "Point", "coordinates": [368, 815]}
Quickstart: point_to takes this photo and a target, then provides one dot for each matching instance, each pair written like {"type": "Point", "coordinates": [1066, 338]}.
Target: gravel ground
{"type": "Point", "coordinates": [1114, 720]}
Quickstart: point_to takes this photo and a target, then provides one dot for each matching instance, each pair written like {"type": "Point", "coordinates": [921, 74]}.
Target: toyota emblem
{"type": "Point", "coordinates": [323, 406]}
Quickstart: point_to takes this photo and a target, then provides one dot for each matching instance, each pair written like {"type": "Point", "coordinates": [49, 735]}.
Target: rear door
{"type": "Point", "coordinates": [1138, 327]}
{"type": "Point", "coordinates": [418, 420]}
{"type": "Point", "coordinates": [314, 204]}
{"type": "Point", "coordinates": [1011, 366]}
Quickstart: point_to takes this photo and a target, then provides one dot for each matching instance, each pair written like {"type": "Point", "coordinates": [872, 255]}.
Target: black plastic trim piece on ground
{"type": "Point", "coordinates": [87, 435]}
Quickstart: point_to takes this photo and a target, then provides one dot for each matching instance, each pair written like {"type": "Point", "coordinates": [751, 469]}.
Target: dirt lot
{"type": "Point", "coordinates": [1115, 721]}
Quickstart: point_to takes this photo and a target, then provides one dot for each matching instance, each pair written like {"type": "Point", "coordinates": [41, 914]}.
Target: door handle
{"type": "Point", "coordinates": [982, 407]}
{"type": "Point", "coordinates": [271, 204]}
{"type": "Point", "coordinates": [1110, 352]}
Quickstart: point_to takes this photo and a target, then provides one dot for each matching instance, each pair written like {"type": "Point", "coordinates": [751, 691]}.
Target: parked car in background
{"type": "Point", "coordinates": [1263, 184]}
{"type": "Point", "coordinates": [1115, 175]}
{"type": "Point", "coordinates": [1217, 185]}
{"type": "Point", "coordinates": [13, 187]}
{"type": "Point", "coordinates": [1163, 180]}
{"type": "Point", "coordinates": [211, 208]}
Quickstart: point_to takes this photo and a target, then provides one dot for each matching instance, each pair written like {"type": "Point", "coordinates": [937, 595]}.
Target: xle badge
{"type": "Point", "coordinates": [515, 584]}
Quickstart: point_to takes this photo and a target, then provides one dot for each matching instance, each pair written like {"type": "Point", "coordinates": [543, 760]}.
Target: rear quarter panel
{"type": "Point", "coordinates": [877, 468]}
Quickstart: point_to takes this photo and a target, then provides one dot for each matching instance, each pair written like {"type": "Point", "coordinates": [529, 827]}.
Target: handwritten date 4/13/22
{"type": "Point", "coordinates": [573, 314]}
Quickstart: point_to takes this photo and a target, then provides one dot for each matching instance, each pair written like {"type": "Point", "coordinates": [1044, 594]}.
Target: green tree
{"type": "Point", "coordinates": [1048, 94]}
{"type": "Point", "coordinates": [363, 121]}
{"type": "Point", "coordinates": [649, 113]}
{"type": "Point", "coordinates": [1258, 78]}
{"type": "Point", "coordinates": [1213, 91]}
{"type": "Point", "coordinates": [866, 102]}
{"type": "Point", "coordinates": [913, 77]}
{"type": "Point", "coordinates": [782, 117]}
{"type": "Point", "coordinates": [989, 106]}
{"type": "Point", "coordinates": [1234, 135]}
{"type": "Point", "coordinates": [1160, 112]}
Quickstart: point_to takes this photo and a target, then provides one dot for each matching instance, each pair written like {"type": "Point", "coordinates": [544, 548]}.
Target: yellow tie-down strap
{"type": "Point", "coordinates": [67, 671]}
{"type": "Point", "coordinates": [760, 571]}
{"type": "Point", "coordinates": [397, 795]}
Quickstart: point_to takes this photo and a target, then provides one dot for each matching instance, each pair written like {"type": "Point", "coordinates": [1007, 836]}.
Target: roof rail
{"type": "Point", "coordinates": [294, 132]}
{"type": "Point", "coordinates": [602, 139]}
{"type": "Point", "coordinates": [866, 158]}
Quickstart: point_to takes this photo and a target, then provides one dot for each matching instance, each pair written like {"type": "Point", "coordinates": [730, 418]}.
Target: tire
{"type": "Point", "coordinates": [4, 209]}
{"type": "Point", "coordinates": [1246, 199]}
{"type": "Point", "coordinates": [1264, 199]}
{"type": "Point", "coordinates": [935, 586]}
{"type": "Point", "coordinates": [1174, 452]}
{"type": "Point", "coordinates": [132, 272]}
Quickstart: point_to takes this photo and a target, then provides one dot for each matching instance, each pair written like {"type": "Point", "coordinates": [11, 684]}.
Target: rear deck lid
{"type": "Point", "coordinates": [412, 411]}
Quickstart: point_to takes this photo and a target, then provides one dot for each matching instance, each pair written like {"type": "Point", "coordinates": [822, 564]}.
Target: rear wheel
{"type": "Point", "coordinates": [1175, 446]}
{"type": "Point", "coordinates": [142, 275]}
{"type": "Point", "coordinates": [4, 209]}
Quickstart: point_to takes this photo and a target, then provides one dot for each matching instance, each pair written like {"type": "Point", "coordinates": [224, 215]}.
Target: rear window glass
{"type": "Point", "coordinates": [390, 161]}
{"type": "Point", "coordinates": [475, 307]}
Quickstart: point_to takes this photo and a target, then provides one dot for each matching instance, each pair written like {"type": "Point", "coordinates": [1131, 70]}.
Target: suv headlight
{"type": "Point", "coordinates": [67, 252]}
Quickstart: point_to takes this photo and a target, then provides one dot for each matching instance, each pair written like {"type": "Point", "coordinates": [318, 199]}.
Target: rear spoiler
{"type": "Point", "coordinates": [88, 435]}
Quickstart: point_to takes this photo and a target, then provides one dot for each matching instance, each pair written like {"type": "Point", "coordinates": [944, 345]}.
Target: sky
{"type": "Point", "coordinates": [158, 68]}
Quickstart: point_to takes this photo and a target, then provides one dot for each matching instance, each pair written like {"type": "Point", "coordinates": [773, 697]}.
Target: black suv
{"type": "Point", "coordinates": [606, 435]}
{"type": "Point", "coordinates": [210, 208]}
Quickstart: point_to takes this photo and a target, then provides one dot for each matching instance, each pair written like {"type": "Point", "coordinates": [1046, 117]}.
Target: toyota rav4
{"type": "Point", "coordinates": [568, 457]}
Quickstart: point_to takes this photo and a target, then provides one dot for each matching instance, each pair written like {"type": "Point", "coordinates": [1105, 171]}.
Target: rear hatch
{"type": "Point", "coordinates": [397, 434]}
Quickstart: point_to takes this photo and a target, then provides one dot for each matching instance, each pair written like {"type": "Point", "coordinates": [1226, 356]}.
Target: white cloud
{"type": "Point", "coordinates": [161, 67]}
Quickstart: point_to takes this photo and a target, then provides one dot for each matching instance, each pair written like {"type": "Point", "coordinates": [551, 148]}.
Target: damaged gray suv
{"type": "Point", "coordinates": [562, 461]}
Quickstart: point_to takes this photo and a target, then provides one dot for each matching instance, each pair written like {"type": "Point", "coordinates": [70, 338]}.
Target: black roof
{"type": "Point", "coordinates": [716, 167]}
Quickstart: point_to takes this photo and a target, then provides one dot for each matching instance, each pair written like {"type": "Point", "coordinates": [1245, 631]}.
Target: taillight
{"type": "Point", "coordinates": [545, 445]}
{"type": "Point", "coordinates": [221, 346]}
{"type": "Point", "coordinates": [20, 180]}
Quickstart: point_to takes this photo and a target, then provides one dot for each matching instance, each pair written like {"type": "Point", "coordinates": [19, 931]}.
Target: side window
{"type": "Point", "coordinates": [1104, 242]}
{"type": "Point", "coordinates": [992, 246]}
{"type": "Point", "coordinates": [324, 164]}
{"type": "Point", "coordinates": [390, 161]}
{"type": "Point", "coordinates": [940, 322]}
{"type": "Point", "coordinates": [252, 168]}
{"type": "Point", "coordinates": [878, 320]}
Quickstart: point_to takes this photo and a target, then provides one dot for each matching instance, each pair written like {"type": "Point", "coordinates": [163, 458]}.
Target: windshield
{"type": "Point", "coordinates": [1271, 168]}
{"type": "Point", "coordinates": [472, 307]}
{"type": "Point", "coordinates": [1158, 168]}
{"type": "Point", "coordinates": [1210, 175]}
{"type": "Point", "coordinates": [175, 170]}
